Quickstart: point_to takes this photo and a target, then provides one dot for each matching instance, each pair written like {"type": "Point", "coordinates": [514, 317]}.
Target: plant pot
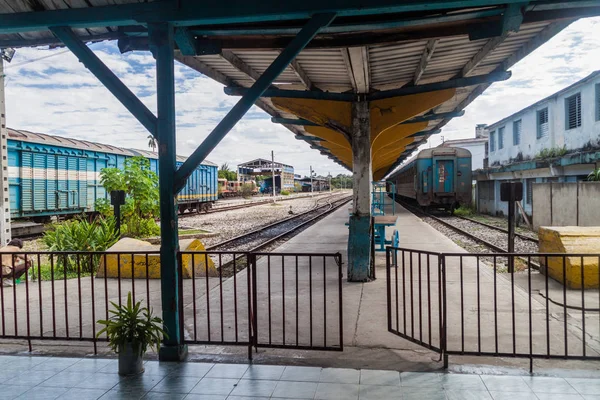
{"type": "Point", "coordinates": [131, 360]}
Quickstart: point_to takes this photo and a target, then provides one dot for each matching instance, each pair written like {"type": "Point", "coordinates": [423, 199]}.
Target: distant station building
{"type": "Point", "coordinates": [477, 146]}
{"type": "Point", "coordinates": [248, 171]}
{"type": "Point", "coordinates": [319, 183]}
{"type": "Point", "coordinates": [556, 139]}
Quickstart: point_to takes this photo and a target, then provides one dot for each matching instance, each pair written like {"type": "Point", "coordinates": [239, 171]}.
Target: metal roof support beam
{"type": "Point", "coordinates": [309, 31]}
{"type": "Point", "coordinates": [293, 121]}
{"type": "Point", "coordinates": [433, 117]}
{"type": "Point", "coordinates": [192, 12]}
{"type": "Point", "coordinates": [186, 41]}
{"type": "Point", "coordinates": [358, 68]}
{"type": "Point", "coordinates": [107, 77]}
{"type": "Point", "coordinates": [425, 58]}
{"type": "Point", "coordinates": [239, 64]}
{"type": "Point", "coordinates": [301, 74]}
{"type": "Point", "coordinates": [404, 91]}
{"type": "Point", "coordinates": [161, 45]}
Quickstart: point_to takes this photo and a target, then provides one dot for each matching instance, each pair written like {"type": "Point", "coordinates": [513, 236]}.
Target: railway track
{"type": "Point", "coordinates": [460, 225]}
{"type": "Point", "coordinates": [244, 205]}
{"type": "Point", "coordinates": [262, 237]}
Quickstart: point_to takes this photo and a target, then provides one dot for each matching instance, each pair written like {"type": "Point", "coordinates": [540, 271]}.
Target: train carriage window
{"type": "Point", "coordinates": [542, 123]}
{"type": "Point", "coordinates": [573, 111]}
{"type": "Point", "coordinates": [517, 132]}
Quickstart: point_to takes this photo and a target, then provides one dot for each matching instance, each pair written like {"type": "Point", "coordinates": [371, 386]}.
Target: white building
{"type": "Point", "coordinates": [477, 146]}
{"type": "Point", "coordinates": [569, 120]}
{"type": "Point", "coordinates": [556, 139]}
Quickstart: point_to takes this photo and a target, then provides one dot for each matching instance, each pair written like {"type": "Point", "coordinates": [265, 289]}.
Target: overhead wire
{"type": "Point", "coordinates": [35, 59]}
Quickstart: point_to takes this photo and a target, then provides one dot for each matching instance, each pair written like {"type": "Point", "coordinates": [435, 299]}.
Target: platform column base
{"type": "Point", "coordinates": [173, 352]}
{"type": "Point", "coordinates": [359, 249]}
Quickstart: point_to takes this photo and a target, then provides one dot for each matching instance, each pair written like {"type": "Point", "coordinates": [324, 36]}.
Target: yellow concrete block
{"type": "Point", "coordinates": [571, 240]}
{"type": "Point", "coordinates": [132, 261]}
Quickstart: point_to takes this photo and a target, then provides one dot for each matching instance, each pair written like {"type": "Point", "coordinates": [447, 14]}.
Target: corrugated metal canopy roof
{"type": "Point", "coordinates": [370, 47]}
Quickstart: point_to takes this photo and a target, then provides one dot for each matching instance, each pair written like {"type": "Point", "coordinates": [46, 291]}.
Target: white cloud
{"type": "Point", "coordinates": [57, 95]}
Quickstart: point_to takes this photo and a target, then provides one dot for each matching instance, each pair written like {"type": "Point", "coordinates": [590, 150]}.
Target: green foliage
{"type": "Point", "coordinates": [80, 235]}
{"type": "Point", "coordinates": [226, 173]}
{"type": "Point", "coordinates": [342, 181]}
{"type": "Point", "coordinates": [297, 187]}
{"type": "Point", "coordinates": [141, 206]}
{"type": "Point", "coordinates": [465, 211]}
{"type": "Point", "coordinates": [246, 189]}
{"type": "Point", "coordinates": [103, 207]}
{"type": "Point", "coordinates": [594, 176]}
{"type": "Point", "coordinates": [552, 152]}
{"type": "Point", "coordinates": [132, 323]}
{"type": "Point", "coordinates": [285, 193]}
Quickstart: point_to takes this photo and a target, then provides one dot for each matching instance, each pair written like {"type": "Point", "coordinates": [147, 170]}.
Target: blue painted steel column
{"type": "Point", "coordinates": [308, 32]}
{"type": "Point", "coordinates": [359, 239]}
{"type": "Point", "coordinates": [161, 45]}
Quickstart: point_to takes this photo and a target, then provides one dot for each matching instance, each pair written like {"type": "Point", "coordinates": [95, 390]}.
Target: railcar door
{"type": "Point", "coordinates": [444, 176]}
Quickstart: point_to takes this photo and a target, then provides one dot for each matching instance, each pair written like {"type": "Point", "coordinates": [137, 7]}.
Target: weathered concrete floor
{"type": "Point", "coordinates": [367, 342]}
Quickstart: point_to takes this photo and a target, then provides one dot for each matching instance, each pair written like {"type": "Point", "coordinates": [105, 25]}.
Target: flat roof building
{"type": "Point", "coordinates": [556, 139]}
{"type": "Point", "coordinates": [249, 170]}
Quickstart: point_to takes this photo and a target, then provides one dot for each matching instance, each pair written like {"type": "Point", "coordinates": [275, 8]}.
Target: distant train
{"type": "Point", "coordinates": [438, 177]}
{"type": "Point", "coordinates": [53, 175]}
{"type": "Point", "coordinates": [234, 188]}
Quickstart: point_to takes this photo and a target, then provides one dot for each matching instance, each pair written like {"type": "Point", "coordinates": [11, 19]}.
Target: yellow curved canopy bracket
{"type": "Point", "coordinates": [395, 134]}
{"type": "Point", "coordinates": [320, 112]}
{"type": "Point", "coordinates": [389, 112]}
{"type": "Point", "coordinates": [329, 135]}
{"type": "Point", "coordinates": [380, 173]}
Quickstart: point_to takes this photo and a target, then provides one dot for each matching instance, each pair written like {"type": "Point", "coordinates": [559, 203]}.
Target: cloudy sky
{"type": "Point", "coordinates": [49, 91]}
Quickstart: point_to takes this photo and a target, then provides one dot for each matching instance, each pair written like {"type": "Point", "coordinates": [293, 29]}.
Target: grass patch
{"type": "Point", "coordinates": [193, 232]}
{"type": "Point", "coordinates": [45, 273]}
{"type": "Point", "coordinates": [463, 211]}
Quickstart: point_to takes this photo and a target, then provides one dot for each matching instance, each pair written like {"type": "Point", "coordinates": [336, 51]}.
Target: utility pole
{"type": "Point", "coordinates": [311, 181]}
{"type": "Point", "coordinates": [329, 175]}
{"type": "Point", "coordinates": [5, 231]}
{"type": "Point", "coordinates": [273, 174]}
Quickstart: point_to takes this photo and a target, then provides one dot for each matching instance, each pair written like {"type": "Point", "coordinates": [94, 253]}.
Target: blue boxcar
{"type": "Point", "coordinates": [52, 175]}
{"type": "Point", "coordinates": [438, 177]}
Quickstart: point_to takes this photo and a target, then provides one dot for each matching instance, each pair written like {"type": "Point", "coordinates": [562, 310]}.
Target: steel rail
{"type": "Point", "coordinates": [524, 237]}
{"type": "Point", "coordinates": [331, 208]}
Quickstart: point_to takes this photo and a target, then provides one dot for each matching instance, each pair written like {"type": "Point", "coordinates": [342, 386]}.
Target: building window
{"type": "Point", "coordinates": [517, 132]}
{"type": "Point", "coordinates": [542, 123]}
{"type": "Point", "coordinates": [573, 111]}
{"type": "Point", "coordinates": [529, 188]}
{"type": "Point", "coordinates": [500, 138]}
{"type": "Point", "coordinates": [597, 101]}
{"type": "Point", "coordinates": [492, 141]}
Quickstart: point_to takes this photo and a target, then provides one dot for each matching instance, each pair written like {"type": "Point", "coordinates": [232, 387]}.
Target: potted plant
{"type": "Point", "coordinates": [131, 330]}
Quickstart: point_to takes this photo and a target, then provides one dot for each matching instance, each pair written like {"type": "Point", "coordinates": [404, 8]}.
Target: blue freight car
{"type": "Point", "coordinates": [52, 175]}
{"type": "Point", "coordinates": [438, 177]}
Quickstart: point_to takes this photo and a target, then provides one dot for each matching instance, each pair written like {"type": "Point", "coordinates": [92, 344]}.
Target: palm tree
{"type": "Point", "coordinates": [152, 143]}
{"type": "Point", "coordinates": [225, 167]}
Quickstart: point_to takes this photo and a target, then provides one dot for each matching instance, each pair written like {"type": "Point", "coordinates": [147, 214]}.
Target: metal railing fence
{"type": "Point", "coordinates": [62, 295]}
{"type": "Point", "coordinates": [469, 304]}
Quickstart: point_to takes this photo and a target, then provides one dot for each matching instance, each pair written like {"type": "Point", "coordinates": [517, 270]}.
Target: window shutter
{"type": "Point", "coordinates": [517, 132]}
{"type": "Point", "coordinates": [500, 138]}
{"type": "Point", "coordinates": [573, 111]}
{"type": "Point", "coordinates": [493, 141]}
{"type": "Point", "coordinates": [598, 102]}
{"type": "Point", "coordinates": [542, 124]}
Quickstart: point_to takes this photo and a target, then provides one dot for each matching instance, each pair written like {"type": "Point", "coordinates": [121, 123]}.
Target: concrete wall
{"type": "Point", "coordinates": [566, 204]}
{"type": "Point", "coordinates": [557, 136]}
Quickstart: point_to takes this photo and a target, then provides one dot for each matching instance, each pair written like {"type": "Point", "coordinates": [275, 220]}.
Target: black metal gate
{"type": "Point", "coordinates": [415, 284]}
{"type": "Point", "coordinates": [470, 304]}
{"type": "Point", "coordinates": [273, 300]}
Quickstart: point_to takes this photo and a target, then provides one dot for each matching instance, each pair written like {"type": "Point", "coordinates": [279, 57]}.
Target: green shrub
{"type": "Point", "coordinates": [552, 152]}
{"type": "Point", "coordinates": [80, 235]}
{"type": "Point", "coordinates": [594, 176]}
{"type": "Point", "coordinates": [246, 190]}
{"type": "Point", "coordinates": [465, 211]}
{"type": "Point", "coordinates": [141, 206]}
{"type": "Point", "coordinates": [285, 193]}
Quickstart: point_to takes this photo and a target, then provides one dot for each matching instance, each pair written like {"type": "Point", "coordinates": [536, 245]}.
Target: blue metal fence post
{"type": "Point", "coordinates": [161, 44]}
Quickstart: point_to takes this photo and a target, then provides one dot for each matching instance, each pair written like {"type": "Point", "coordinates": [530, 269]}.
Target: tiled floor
{"type": "Point", "coordinates": [81, 379]}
